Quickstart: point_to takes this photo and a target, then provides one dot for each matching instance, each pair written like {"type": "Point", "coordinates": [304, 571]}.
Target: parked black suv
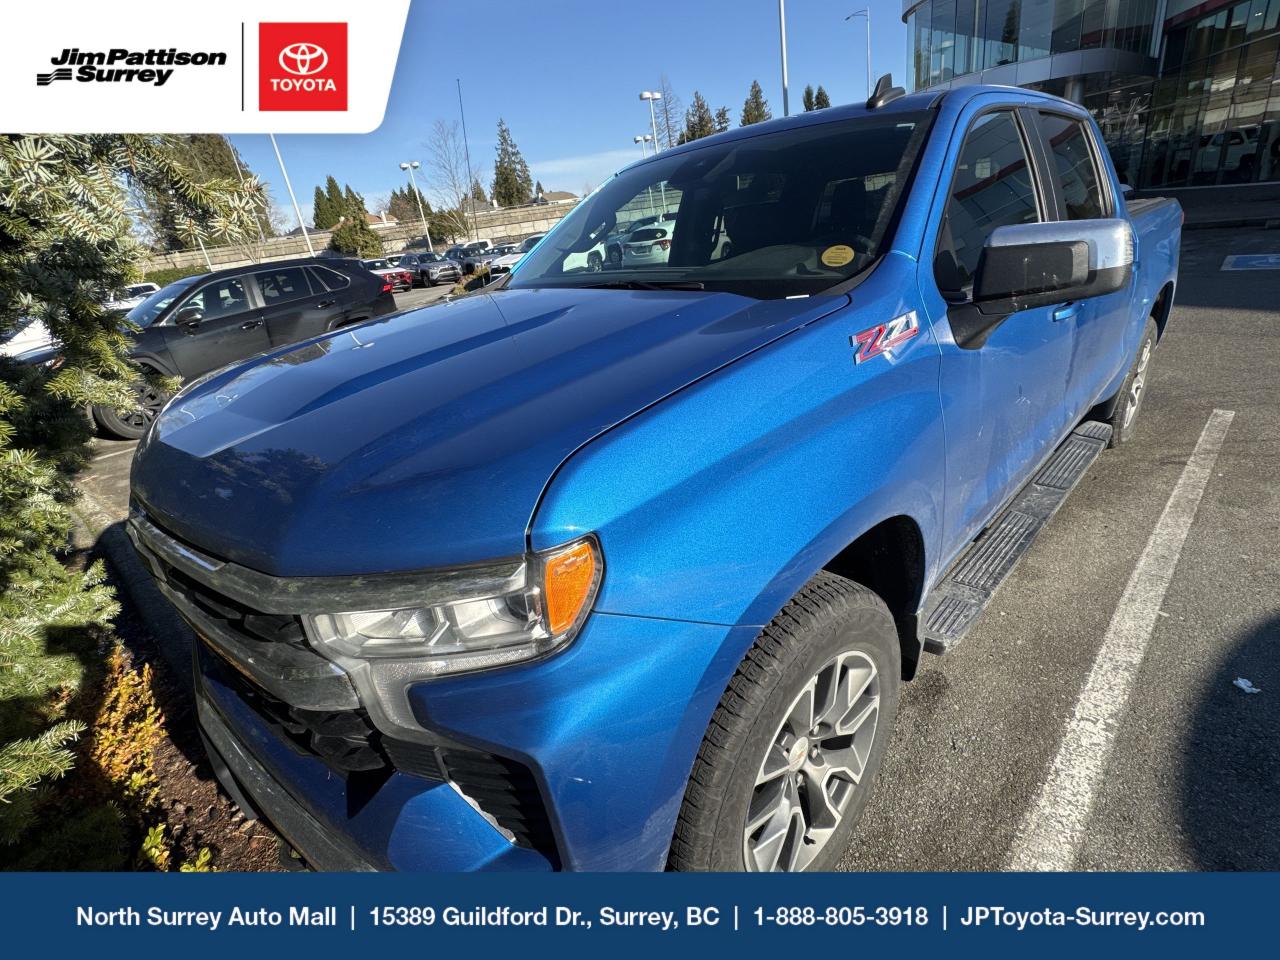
{"type": "Point", "coordinates": [200, 323]}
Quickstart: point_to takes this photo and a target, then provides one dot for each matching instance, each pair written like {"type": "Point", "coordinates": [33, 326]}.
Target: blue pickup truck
{"type": "Point", "coordinates": [623, 569]}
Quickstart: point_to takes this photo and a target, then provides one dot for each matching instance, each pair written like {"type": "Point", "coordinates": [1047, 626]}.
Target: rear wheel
{"type": "Point", "coordinates": [785, 769]}
{"type": "Point", "coordinates": [594, 263]}
{"type": "Point", "coordinates": [132, 424]}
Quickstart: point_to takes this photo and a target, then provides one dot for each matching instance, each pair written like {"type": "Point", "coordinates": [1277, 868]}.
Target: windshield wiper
{"type": "Point", "coordinates": [645, 285]}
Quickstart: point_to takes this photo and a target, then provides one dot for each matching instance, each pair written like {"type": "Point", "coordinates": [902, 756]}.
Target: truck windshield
{"type": "Point", "coordinates": [781, 214]}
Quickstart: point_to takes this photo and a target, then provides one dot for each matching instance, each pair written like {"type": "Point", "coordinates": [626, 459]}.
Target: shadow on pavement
{"type": "Point", "coordinates": [1231, 760]}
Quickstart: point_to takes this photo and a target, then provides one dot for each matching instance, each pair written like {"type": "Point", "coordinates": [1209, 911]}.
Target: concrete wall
{"type": "Point", "coordinates": [497, 225]}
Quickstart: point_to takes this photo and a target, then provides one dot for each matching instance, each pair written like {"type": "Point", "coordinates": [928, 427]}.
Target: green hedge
{"type": "Point", "coordinates": [167, 275]}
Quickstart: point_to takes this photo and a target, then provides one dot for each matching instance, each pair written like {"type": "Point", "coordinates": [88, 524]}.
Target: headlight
{"type": "Point", "coordinates": [477, 622]}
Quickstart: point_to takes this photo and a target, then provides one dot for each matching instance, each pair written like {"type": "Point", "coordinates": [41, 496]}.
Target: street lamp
{"type": "Point", "coordinates": [652, 95]}
{"type": "Point", "coordinates": [782, 42]}
{"type": "Point", "coordinates": [642, 140]}
{"type": "Point", "coordinates": [865, 12]}
{"type": "Point", "coordinates": [296, 212]}
{"type": "Point", "coordinates": [411, 166]}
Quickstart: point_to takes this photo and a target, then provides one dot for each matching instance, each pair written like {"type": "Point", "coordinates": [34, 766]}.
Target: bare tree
{"type": "Point", "coordinates": [447, 165]}
{"type": "Point", "coordinates": [670, 114]}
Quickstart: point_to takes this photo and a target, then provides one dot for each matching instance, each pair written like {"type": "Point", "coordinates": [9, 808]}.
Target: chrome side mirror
{"type": "Point", "coordinates": [1036, 264]}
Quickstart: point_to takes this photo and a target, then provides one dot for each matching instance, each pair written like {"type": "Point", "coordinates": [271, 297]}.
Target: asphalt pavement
{"type": "Point", "coordinates": [1192, 777]}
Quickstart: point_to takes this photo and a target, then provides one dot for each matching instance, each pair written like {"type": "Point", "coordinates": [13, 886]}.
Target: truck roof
{"type": "Point", "coordinates": [909, 103]}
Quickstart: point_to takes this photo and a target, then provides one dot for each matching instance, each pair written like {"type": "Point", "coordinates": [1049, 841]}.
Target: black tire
{"type": "Point", "coordinates": [131, 425]}
{"type": "Point", "coordinates": [428, 281]}
{"type": "Point", "coordinates": [829, 620]}
{"type": "Point", "coordinates": [594, 263]}
{"type": "Point", "coordinates": [614, 255]}
{"type": "Point", "coordinates": [1128, 401]}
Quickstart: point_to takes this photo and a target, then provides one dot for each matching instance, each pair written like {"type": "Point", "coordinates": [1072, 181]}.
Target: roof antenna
{"type": "Point", "coordinates": [884, 92]}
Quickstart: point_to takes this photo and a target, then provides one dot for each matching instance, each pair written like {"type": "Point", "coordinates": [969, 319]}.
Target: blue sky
{"type": "Point", "coordinates": [566, 74]}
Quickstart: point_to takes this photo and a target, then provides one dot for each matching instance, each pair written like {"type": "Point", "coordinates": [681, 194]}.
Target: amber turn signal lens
{"type": "Point", "coordinates": [568, 578]}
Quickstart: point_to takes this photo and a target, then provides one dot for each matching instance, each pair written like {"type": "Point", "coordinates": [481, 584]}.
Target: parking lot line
{"type": "Point", "coordinates": [114, 453]}
{"type": "Point", "coordinates": [1053, 830]}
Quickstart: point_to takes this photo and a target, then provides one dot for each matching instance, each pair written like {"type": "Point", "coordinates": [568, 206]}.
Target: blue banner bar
{"type": "Point", "coordinates": [330, 915]}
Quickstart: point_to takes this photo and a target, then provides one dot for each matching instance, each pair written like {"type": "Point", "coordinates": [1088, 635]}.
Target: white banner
{"type": "Point", "coordinates": [232, 66]}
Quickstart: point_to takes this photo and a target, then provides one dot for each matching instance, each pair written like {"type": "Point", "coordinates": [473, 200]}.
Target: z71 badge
{"type": "Point", "coordinates": [884, 336]}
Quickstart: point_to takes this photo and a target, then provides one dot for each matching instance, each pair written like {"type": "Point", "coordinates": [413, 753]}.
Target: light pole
{"type": "Point", "coordinates": [865, 12]}
{"type": "Point", "coordinates": [642, 140]}
{"type": "Point", "coordinates": [411, 166]}
{"type": "Point", "coordinates": [782, 39]}
{"type": "Point", "coordinates": [296, 212]}
{"type": "Point", "coordinates": [466, 149]}
{"type": "Point", "coordinates": [652, 95]}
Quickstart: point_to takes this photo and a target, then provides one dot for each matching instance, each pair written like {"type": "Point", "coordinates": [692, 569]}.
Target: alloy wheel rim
{"type": "Point", "coordinates": [813, 766]}
{"type": "Point", "coordinates": [1139, 383]}
{"type": "Point", "coordinates": [150, 402]}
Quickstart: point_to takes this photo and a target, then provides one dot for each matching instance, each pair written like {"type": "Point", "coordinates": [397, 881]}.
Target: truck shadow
{"type": "Point", "coordinates": [1231, 760]}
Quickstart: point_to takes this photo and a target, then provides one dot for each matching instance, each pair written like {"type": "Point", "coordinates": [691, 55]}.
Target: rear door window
{"type": "Point", "coordinates": [283, 285]}
{"type": "Point", "coordinates": [325, 279]}
{"type": "Point", "coordinates": [1067, 141]}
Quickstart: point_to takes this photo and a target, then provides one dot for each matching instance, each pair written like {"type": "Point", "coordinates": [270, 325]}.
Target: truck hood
{"type": "Point", "coordinates": [426, 439]}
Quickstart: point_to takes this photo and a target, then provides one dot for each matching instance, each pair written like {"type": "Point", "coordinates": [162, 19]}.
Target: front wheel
{"type": "Point", "coordinates": [785, 769]}
{"type": "Point", "coordinates": [1124, 417]}
{"type": "Point", "coordinates": [594, 263]}
{"type": "Point", "coordinates": [131, 424]}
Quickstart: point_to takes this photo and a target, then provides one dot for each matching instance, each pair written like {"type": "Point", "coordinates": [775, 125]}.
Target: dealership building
{"type": "Point", "coordinates": [1187, 93]}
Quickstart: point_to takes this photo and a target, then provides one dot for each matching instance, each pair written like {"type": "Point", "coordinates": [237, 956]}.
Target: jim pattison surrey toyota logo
{"type": "Point", "coordinates": [302, 66]}
{"type": "Point", "coordinates": [118, 65]}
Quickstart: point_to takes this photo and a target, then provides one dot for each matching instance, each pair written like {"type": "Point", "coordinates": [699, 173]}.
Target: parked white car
{"type": "Point", "coordinates": [647, 247]}
{"type": "Point", "coordinates": [504, 263]}
{"type": "Point", "coordinates": [131, 296]}
{"type": "Point", "coordinates": [29, 342]}
{"type": "Point", "coordinates": [592, 261]}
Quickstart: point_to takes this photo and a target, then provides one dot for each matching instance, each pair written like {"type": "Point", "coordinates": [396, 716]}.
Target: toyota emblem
{"type": "Point", "coordinates": [303, 59]}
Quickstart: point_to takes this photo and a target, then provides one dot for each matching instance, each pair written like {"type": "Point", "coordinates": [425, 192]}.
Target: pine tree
{"type": "Point", "coordinates": [209, 156]}
{"type": "Point", "coordinates": [403, 205]}
{"type": "Point", "coordinates": [327, 205]}
{"type": "Point", "coordinates": [512, 184]}
{"type": "Point", "coordinates": [333, 193]}
{"type": "Point", "coordinates": [722, 121]}
{"type": "Point", "coordinates": [65, 237]}
{"type": "Point", "coordinates": [698, 121]}
{"type": "Point", "coordinates": [808, 98]}
{"type": "Point", "coordinates": [321, 214]}
{"type": "Point", "coordinates": [821, 101]}
{"type": "Point", "coordinates": [477, 191]}
{"type": "Point", "coordinates": [537, 189]}
{"type": "Point", "coordinates": [353, 204]}
{"type": "Point", "coordinates": [355, 238]}
{"type": "Point", "coordinates": [755, 109]}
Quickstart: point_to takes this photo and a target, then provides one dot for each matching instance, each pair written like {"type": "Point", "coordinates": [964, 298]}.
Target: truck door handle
{"type": "Point", "coordinates": [325, 303]}
{"type": "Point", "coordinates": [1066, 311]}
{"type": "Point", "coordinates": [250, 324]}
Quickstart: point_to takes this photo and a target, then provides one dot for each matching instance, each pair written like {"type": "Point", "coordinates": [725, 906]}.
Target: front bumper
{"type": "Point", "coordinates": [576, 762]}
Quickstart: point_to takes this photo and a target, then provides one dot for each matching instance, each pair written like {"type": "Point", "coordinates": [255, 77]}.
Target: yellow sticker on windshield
{"type": "Point", "coordinates": [837, 256]}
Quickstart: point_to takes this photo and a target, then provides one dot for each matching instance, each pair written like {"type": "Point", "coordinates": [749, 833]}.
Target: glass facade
{"type": "Point", "coordinates": [1206, 113]}
{"type": "Point", "coordinates": [951, 38]}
